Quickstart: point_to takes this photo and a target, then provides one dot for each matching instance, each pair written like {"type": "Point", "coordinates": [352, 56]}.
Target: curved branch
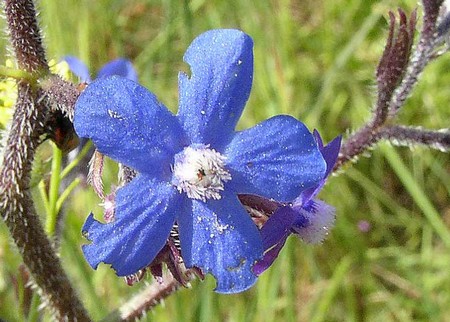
{"type": "Point", "coordinates": [16, 205]}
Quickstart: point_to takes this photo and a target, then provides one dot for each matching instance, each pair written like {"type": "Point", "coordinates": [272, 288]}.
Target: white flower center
{"type": "Point", "coordinates": [200, 172]}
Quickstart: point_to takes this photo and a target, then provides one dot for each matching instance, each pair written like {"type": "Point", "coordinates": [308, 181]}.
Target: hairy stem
{"type": "Point", "coordinates": [144, 301]}
{"type": "Point", "coordinates": [17, 209]}
{"type": "Point", "coordinates": [422, 55]}
{"type": "Point", "coordinates": [356, 144]}
{"type": "Point", "coordinates": [25, 35]}
{"type": "Point", "coordinates": [16, 205]}
{"type": "Point", "coordinates": [410, 136]}
{"type": "Point", "coordinates": [369, 134]}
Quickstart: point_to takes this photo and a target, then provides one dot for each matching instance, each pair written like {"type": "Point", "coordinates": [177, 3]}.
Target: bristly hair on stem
{"type": "Point", "coordinates": [421, 56]}
{"type": "Point", "coordinates": [25, 35]}
{"type": "Point", "coordinates": [411, 136]}
{"type": "Point", "coordinates": [144, 301]}
{"type": "Point", "coordinates": [393, 62]}
{"type": "Point", "coordinates": [397, 74]}
{"type": "Point", "coordinates": [16, 205]}
{"type": "Point", "coordinates": [18, 212]}
{"type": "Point", "coordinates": [391, 70]}
{"type": "Point", "coordinates": [431, 9]}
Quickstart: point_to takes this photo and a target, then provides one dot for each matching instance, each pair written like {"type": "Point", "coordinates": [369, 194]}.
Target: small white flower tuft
{"type": "Point", "coordinates": [321, 220]}
{"type": "Point", "coordinates": [200, 173]}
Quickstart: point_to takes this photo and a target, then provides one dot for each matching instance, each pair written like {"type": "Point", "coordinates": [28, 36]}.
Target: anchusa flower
{"type": "Point", "coordinates": [192, 166]}
{"type": "Point", "coordinates": [306, 217]}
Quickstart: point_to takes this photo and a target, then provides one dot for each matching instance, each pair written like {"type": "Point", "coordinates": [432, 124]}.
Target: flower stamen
{"type": "Point", "coordinates": [200, 172]}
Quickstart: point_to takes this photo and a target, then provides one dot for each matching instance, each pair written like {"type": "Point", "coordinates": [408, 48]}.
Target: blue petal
{"type": "Point", "coordinates": [212, 99]}
{"type": "Point", "coordinates": [221, 239]}
{"type": "Point", "coordinates": [277, 158]}
{"type": "Point", "coordinates": [126, 122]}
{"type": "Point", "coordinates": [120, 67]}
{"type": "Point", "coordinates": [77, 67]}
{"type": "Point", "coordinates": [144, 215]}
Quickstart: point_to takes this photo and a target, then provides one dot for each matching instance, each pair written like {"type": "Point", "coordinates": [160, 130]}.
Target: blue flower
{"type": "Point", "coordinates": [192, 166]}
{"type": "Point", "coordinates": [120, 66]}
{"type": "Point", "coordinates": [307, 217]}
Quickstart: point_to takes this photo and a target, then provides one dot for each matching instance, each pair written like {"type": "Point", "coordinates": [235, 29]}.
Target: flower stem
{"type": "Point", "coordinates": [17, 74]}
{"type": "Point", "coordinates": [33, 314]}
{"type": "Point", "coordinates": [84, 151]}
{"type": "Point", "coordinates": [65, 194]}
{"type": "Point", "coordinates": [145, 300]}
{"type": "Point", "coordinates": [55, 181]}
{"type": "Point", "coordinates": [16, 205]}
{"type": "Point", "coordinates": [409, 136]}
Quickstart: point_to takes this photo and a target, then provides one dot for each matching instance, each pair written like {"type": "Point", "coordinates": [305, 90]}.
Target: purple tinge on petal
{"type": "Point", "coordinates": [120, 67]}
{"type": "Point", "coordinates": [144, 215]}
{"type": "Point", "coordinates": [278, 226]}
{"type": "Point", "coordinates": [77, 67]}
{"type": "Point", "coordinates": [277, 158]}
{"type": "Point", "coordinates": [127, 123]}
{"type": "Point", "coordinates": [213, 96]}
{"type": "Point", "coordinates": [329, 152]}
{"type": "Point", "coordinates": [309, 194]}
{"type": "Point", "coordinates": [269, 257]}
{"type": "Point", "coordinates": [220, 238]}
{"type": "Point", "coordinates": [321, 218]}
{"type": "Point", "coordinates": [311, 223]}
{"type": "Point", "coordinates": [318, 139]}
{"type": "Point", "coordinates": [274, 234]}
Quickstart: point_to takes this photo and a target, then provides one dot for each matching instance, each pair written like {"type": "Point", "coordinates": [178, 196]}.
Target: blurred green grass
{"type": "Point", "coordinates": [315, 61]}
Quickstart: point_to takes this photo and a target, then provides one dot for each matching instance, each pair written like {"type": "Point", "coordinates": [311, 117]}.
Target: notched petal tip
{"type": "Point", "coordinates": [237, 276]}
{"type": "Point", "coordinates": [90, 221]}
{"type": "Point", "coordinates": [89, 229]}
{"type": "Point", "coordinates": [214, 96]}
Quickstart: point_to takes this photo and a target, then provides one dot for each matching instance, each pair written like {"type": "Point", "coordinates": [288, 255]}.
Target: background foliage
{"type": "Point", "coordinates": [315, 61]}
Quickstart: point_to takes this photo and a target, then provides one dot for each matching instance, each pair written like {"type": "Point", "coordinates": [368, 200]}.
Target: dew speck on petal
{"type": "Point", "coordinates": [115, 115]}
